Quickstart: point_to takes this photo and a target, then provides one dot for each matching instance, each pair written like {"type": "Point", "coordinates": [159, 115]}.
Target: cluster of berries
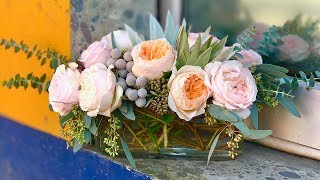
{"type": "Point", "coordinates": [133, 87]}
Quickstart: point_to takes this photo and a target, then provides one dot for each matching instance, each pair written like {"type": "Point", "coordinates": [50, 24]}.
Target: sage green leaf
{"type": "Point", "coordinates": [124, 107]}
{"type": "Point", "coordinates": [218, 46]}
{"type": "Point", "coordinates": [303, 76]}
{"type": "Point", "coordinates": [93, 127]}
{"type": "Point", "coordinates": [259, 134]}
{"type": "Point", "coordinates": [87, 135]}
{"type": "Point", "coordinates": [127, 153]}
{"type": "Point", "coordinates": [195, 50]}
{"type": "Point", "coordinates": [113, 41]}
{"type": "Point", "coordinates": [133, 36]}
{"type": "Point", "coordinates": [221, 114]}
{"type": "Point", "coordinates": [206, 34]}
{"type": "Point", "coordinates": [271, 67]}
{"type": "Point", "coordinates": [87, 120]}
{"type": "Point", "coordinates": [66, 118]}
{"type": "Point", "coordinates": [287, 103]}
{"type": "Point", "coordinates": [294, 83]}
{"type": "Point", "coordinates": [156, 31]}
{"type": "Point", "coordinates": [311, 81]}
{"type": "Point", "coordinates": [129, 114]}
{"type": "Point", "coordinates": [184, 23]}
{"type": "Point", "coordinates": [171, 29]}
{"type": "Point", "coordinates": [203, 59]}
{"type": "Point", "coordinates": [225, 55]}
{"type": "Point", "coordinates": [254, 115]}
{"type": "Point", "coordinates": [206, 44]}
{"type": "Point", "coordinates": [76, 146]}
{"type": "Point", "coordinates": [212, 147]}
{"type": "Point", "coordinates": [242, 127]}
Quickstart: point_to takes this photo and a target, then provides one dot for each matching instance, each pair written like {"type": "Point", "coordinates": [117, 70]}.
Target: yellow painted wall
{"type": "Point", "coordinates": [45, 23]}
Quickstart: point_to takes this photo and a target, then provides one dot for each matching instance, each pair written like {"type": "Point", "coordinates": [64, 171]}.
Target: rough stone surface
{"type": "Point", "coordinates": [92, 19]}
{"type": "Point", "coordinates": [256, 162]}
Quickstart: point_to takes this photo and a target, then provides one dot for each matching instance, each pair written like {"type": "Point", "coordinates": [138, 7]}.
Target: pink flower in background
{"type": "Point", "coordinates": [97, 52]}
{"type": "Point", "coordinates": [232, 86]}
{"type": "Point", "coordinates": [64, 88]}
{"type": "Point", "coordinates": [153, 58]}
{"type": "Point", "coordinates": [293, 49]}
{"type": "Point", "coordinates": [122, 40]}
{"type": "Point", "coordinates": [188, 92]}
{"type": "Point", "coordinates": [99, 92]}
{"type": "Point", "coordinates": [250, 56]}
{"type": "Point", "coordinates": [193, 37]}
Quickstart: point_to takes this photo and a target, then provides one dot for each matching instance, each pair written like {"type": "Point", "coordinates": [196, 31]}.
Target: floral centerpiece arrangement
{"type": "Point", "coordinates": [178, 92]}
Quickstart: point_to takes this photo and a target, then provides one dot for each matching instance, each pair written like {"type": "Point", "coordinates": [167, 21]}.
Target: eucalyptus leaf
{"type": "Point", "coordinates": [127, 153]}
{"type": "Point", "coordinates": [221, 114]}
{"type": "Point", "coordinates": [113, 41]}
{"type": "Point", "coordinates": [87, 135]}
{"type": "Point", "coordinates": [76, 146]}
{"type": "Point", "coordinates": [317, 74]}
{"type": "Point", "coordinates": [93, 127]}
{"type": "Point", "coordinates": [259, 134]}
{"type": "Point", "coordinates": [87, 120]}
{"type": "Point", "coordinates": [66, 118]}
{"type": "Point", "coordinates": [129, 114]}
{"type": "Point", "coordinates": [294, 83]}
{"type": "Point", "coordinates": [311, 81]}
{"type": "Point", "coordinates": [287, 103]}
{"type": "Point", "coordinates": [303, 76]}
{"type": "Point", "coordinates": [254, 115]}
{"type": "Point", "coordinates": [156, 31]}
{"type": "Point", "coordinates": [212, 147]}
{"type": "Point", "coordinates": [134, 37]}
{"type": "Point", "coordinates": [242, 127]}
{"type": "Point", "coordinates": [168, 118]}
{"type": "Point", "coordinates": [271, 67]}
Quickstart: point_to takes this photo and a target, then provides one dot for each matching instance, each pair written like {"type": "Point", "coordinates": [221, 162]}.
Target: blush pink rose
{"type": "Point", "coordinates": [97, 52]}
{"type": "Point", "coordinates": [188, 92]}
{"type": "Point", "coordinates": [250, 56]}
{"type": "Point", "coordinates": [232, 86]}
{"type": "Point", "coordinates": [64, 88]}
{"type": "Point", "coordinates": [194, 36]}
{"type": "Point", "coordinates": [153, 58]}
{"type": "Point", "coordinates": [122, 40]}
{"type": "Point", "coordinates": [293, 49]}
{"type": "Point", "coordinates": [99, 92]}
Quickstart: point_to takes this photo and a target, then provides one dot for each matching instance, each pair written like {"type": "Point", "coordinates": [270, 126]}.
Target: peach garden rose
{"type": "Point", "coordinates": [99, 92]}
{"type": "Point", "coordinates": [188, 92]}
{"type": "Point", "coordinates": [232, 86]}
{"type": "Point", "coordinates": [153, 58]}
{"type": "Point", "coordinates": [64, 88]}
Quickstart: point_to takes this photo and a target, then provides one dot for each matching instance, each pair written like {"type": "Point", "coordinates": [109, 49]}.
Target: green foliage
{"type": "Point", "coordinates": [126, 110]}
{"type": "Point", "coordinates": [127, 152]}
{"type": "Point", "coordinates": [213, 146]}
{"type": "Point", "coordinates": [30, 81]}
{"type": "Point", "coordinates": [254, 115]}
{"type": "Point", "coordinates": [134, 37]}
{"type": "Point", "coordinates": [156, 31]}
{"type": "Point", "coordinates": [246, 37]}
{"type": "Point", "coordinates": [221, 114]}
{"type": "Point", "coordinates": [259, 134]}
{"type": "Point", "coordinates": [270, 41]}
{"type": "Point", "coordinates": [171, 29]}
{"type": "Point", "coordinates": [43, 56]}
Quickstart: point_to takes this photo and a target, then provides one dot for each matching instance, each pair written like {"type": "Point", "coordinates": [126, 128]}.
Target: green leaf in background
{"type": "Point", "coordinates": [287, 103]}
{"type": "Point", "coordinates": [221, 114]}
{"type": "Point", "coordinates": [93, 127]}
{"type": "Point", "coordinates": [129, 113]}
{"type": "Point", "coordinates": [76, 146]}
{"type": "Point", "coordinates": [127, 153]}
{"type": "Point", "coordinates": [242, 127]}
{"type": "Point", "coordinates": [317, 74]}
{"type": "Point", "coordinates": [113, 41]}
{"type": "Point", "coordinates": [87, 120]}
{"type": "Point", "coordinates": [259, 134]}
{"type": "Point", "coordinates": [271, 67]}
{"type": "Point", "coordinates": [171, 29]}
{"type": "Point", "coordinates": [311, 81]}
{"type": "Point", "coordinates": [168, 118]}
{"type": "Point", "coordinates": [294, 83]}
{"type": "Point", "coordinates": [203, 59]}
{"type": "Point", "coordinates": [134, 37]}
{"type": "Point", "coordinates": [66, 118]}
{"type": "Point", "coordinates": [87, 135]}
{"type": "Point", "coordinates": [156, 31]}
{"type": "Point", "coordinates": [212, 147]}
{"type": "Point", "coordinates": [254, 115]}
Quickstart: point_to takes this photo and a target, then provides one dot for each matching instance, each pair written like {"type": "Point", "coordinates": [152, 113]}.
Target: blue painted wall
{"type": "Point", "coordinates": [26, 153]}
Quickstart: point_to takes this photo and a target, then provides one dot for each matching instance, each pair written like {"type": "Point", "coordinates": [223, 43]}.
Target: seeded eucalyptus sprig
{"type": "Point", "coordinates": [158, 89]}
{"type": "Point", "coordinates": [112, 136]}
